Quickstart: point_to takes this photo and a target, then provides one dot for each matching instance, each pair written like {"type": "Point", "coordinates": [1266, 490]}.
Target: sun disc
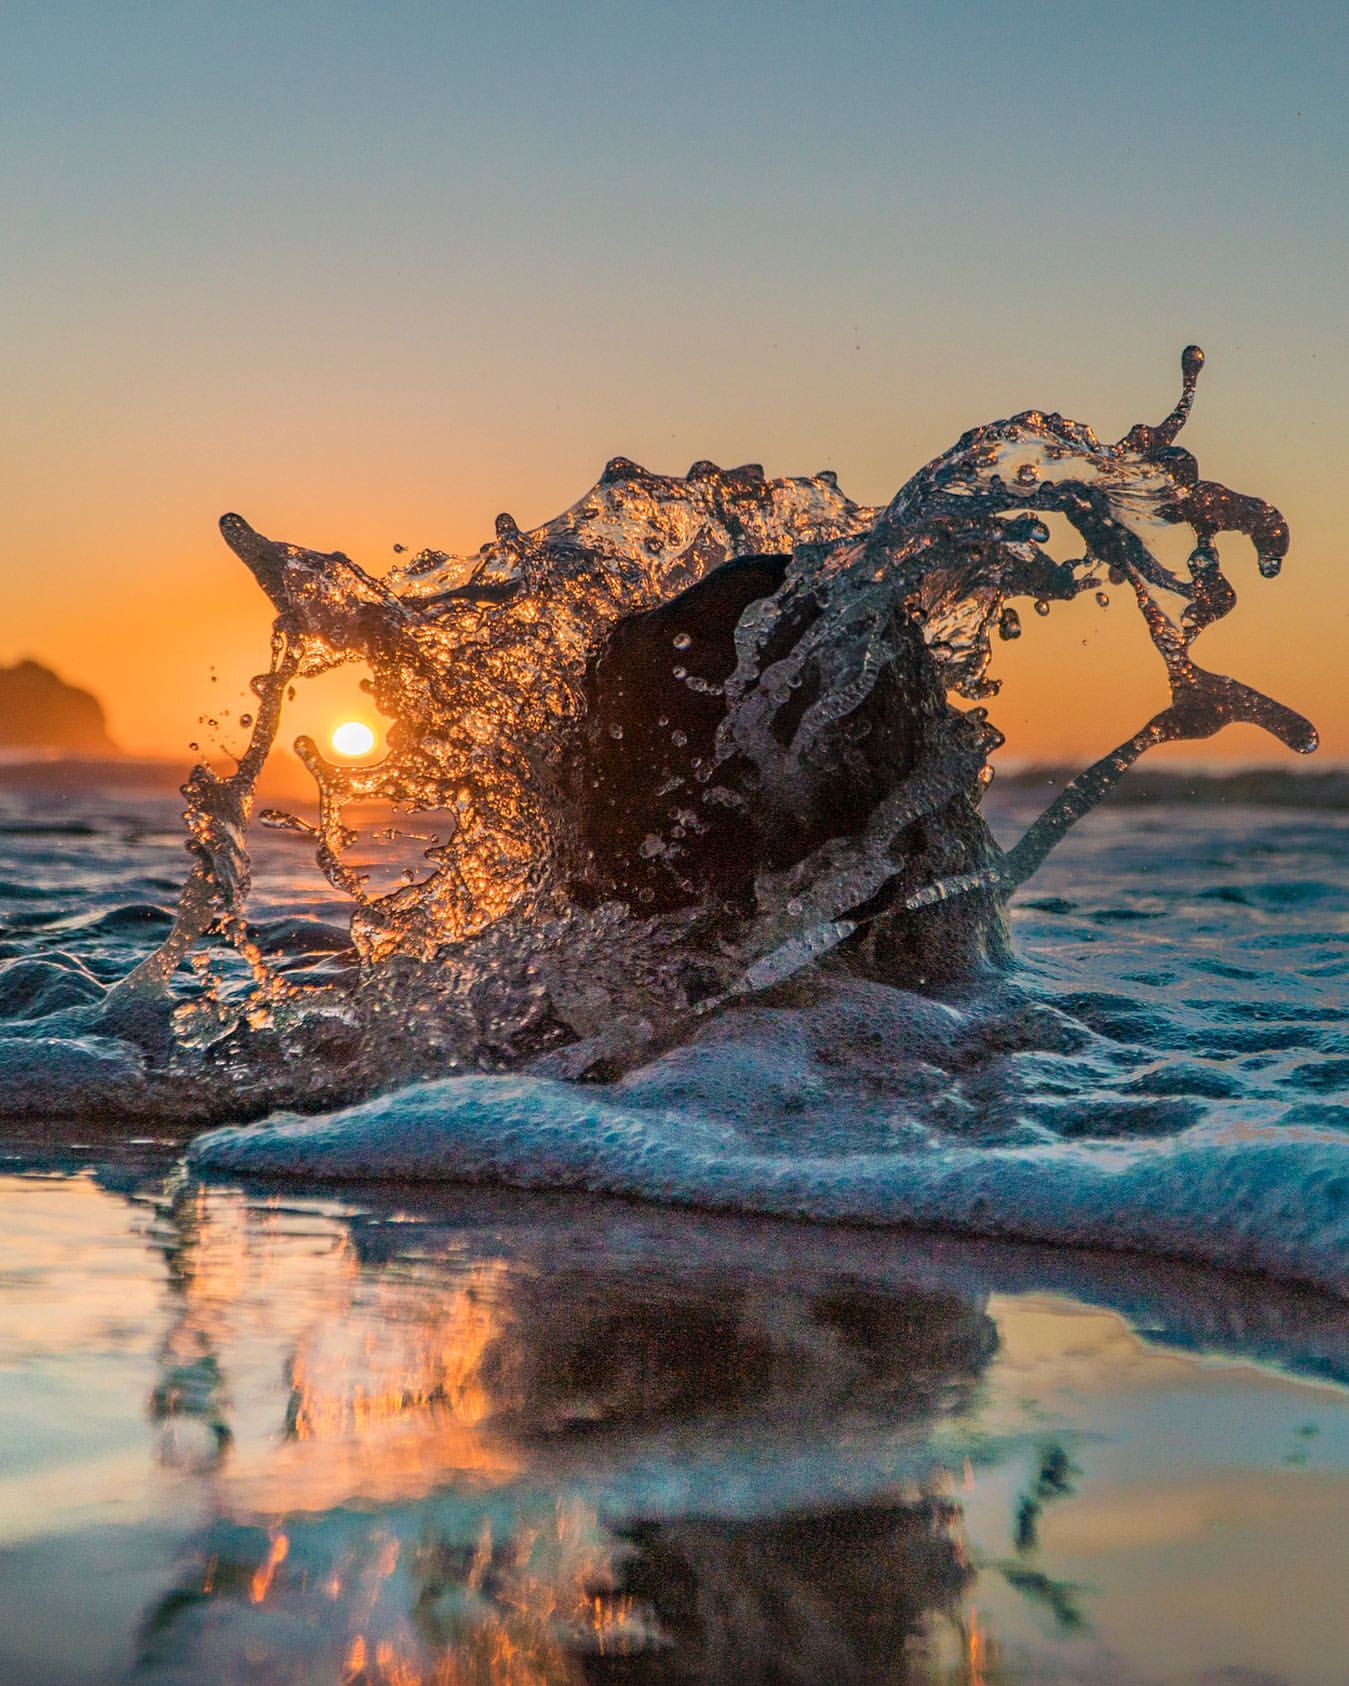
{"type": "Point", "coordinates": [353, 737]}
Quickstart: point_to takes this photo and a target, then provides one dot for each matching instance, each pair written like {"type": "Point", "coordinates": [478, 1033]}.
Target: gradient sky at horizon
{"type": "Point", "coordinates": [370, 273]}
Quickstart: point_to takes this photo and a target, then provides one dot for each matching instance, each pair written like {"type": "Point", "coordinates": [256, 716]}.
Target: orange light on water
{"type": "Point", "coordinates": [263, 1576]}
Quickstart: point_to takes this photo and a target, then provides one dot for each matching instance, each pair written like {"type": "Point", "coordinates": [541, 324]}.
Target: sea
{"type": "Point", "coordinates": [998, 1334]}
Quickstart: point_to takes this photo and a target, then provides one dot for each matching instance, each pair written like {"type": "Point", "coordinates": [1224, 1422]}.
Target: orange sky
{"type": "Point", "coordinates": [373, 282]}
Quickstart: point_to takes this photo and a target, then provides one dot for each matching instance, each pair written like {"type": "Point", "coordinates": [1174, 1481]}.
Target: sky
{"type": "Point", "coordinates": [370, 273]}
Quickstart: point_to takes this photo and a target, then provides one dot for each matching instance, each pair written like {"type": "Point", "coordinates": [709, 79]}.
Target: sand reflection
{"type": "Point", "coordinates": [514, 1467]}
{"type": "Point", "coordinates": [494, 1438]}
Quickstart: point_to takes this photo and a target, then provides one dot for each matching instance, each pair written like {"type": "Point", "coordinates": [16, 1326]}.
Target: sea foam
{"type": "Point", "coordinates": [1270, 1200]}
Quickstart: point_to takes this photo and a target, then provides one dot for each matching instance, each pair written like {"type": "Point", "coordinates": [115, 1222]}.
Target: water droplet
{"type": "Point", "coordinates": [1023, 527]}
{"type": "Point", "coordinates": [679, 739]}
{"type": "Point", "coordinates": [1270, 566]}
{"type": "Point", "coordinates": [1009, 624]}
{"type": "Point", "coordinates": [1103, 598]}
{"type": "Point", "coordinates": [681, 672]}
{"type": "Point", "coordinates": [682, 640]}
{"type": "Point", "coordinates": [615, 731]}
{"type": "Point", "coordinates": [1028, 474]}
{"type": "Point", "coordinates": [1041, 606]}
{"type": "Point", "coordinates": [245, 719]}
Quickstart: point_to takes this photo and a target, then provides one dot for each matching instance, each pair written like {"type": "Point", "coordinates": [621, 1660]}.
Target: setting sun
{"type": "Point", "coordinates": [353, 737]}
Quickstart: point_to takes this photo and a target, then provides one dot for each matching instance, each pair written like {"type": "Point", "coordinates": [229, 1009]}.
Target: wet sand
{"type": "Point", "coordinates": [275, 1436]}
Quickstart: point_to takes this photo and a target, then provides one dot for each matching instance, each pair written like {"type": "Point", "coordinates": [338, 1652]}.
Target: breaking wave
{"type": "Point", "coordinates": [744, 1123]}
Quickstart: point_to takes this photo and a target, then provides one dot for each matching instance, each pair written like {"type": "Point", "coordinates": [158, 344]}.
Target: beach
{"type": "Point", "coordinates": [261, 1435]}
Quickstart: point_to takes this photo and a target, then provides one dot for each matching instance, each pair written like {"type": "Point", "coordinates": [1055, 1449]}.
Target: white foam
{"type": "Point", "coordinates": [68, 1077]}
{"type": "Point", "coordinates": [1275, 1201]}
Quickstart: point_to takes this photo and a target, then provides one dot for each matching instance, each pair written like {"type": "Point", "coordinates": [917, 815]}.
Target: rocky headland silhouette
{"type": "Point", "coordinates": [41, 712]}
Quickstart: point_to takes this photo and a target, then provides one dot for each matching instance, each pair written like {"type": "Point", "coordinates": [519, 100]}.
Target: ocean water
{"type": "Point", "coordinates": [257, 1429]}
{"type": "Point", "coordinates": [1163, 1069]}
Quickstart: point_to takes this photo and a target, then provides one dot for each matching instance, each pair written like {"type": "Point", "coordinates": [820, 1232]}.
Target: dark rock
{"type": "Point", "coordinates": [659, 828]}
{"type": "Point", "coordinates": [38, 710]}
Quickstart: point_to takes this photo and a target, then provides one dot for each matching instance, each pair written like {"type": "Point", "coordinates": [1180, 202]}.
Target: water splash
{"type": "Point", "coordinates": [810, 792]}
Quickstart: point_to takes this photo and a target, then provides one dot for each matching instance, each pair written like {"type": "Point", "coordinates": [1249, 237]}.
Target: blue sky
{"type": "Point", "coordinates": [371, 272]}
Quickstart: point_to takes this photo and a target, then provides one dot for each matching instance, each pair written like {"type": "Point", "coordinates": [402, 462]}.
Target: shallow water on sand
{"type": "Point", "coordinates": [260, 1436]}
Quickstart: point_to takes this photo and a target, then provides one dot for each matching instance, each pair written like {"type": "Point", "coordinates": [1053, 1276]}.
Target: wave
{"type": "Point", "coordinates": [1269, 1201]}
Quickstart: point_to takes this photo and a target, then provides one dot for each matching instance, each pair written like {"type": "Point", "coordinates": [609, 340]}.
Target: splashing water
{"type": "Point", "coordinates": [699, 770]}
{"type": "Point", "coordinates": [540, 928]}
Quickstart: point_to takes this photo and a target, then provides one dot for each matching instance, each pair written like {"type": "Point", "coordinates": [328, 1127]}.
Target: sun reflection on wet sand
{"type": "Point", "coordinates": [558, 1444]}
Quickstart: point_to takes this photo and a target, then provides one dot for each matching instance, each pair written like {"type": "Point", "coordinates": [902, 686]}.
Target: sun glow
{"type": "Point", "coordinates": [353, 737]}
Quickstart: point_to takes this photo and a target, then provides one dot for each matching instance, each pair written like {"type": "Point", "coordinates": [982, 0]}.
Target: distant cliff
{"type": "Point", "coordinates": [40, 711]}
